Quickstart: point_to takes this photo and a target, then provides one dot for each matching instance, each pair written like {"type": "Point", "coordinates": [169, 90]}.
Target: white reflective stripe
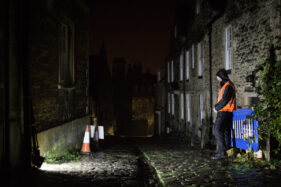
{"type": "Point", "coordinates": [101, 132]}
{"type": "Point", "coordinates": [92, 131]}
{"type": "Point", "coordinates": [87, 137]}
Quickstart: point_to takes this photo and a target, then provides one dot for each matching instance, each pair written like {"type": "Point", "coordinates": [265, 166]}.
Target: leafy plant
{"type": "Point", "coordinates": [67, 156]}
{"type": "Point", "coordinates": [268, 110]}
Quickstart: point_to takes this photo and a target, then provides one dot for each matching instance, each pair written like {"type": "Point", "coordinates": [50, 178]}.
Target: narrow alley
{"type": "Point", "coordinates": [140, 93]}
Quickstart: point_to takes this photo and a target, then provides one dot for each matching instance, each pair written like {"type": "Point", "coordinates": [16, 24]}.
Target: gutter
{"type": "Point", "coordinates": [6, 129]}
{"type": "Point", "coordinates": [209, 25]}
{"type": "Point", "coordinates": [22, 54]}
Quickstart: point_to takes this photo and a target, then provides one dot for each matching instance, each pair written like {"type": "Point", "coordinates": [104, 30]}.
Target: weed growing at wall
{"type": "Point", "coordinates": [268, 110]}
{"type": "Point", "coordinates": [69, 155]}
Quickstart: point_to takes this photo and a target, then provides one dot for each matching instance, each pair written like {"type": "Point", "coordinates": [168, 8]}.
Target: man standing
{"type": "Point", "coordinates": [224, 108]}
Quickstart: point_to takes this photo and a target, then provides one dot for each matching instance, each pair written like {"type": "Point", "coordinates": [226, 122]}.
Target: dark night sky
{"type": "Point", "coordinates": [139, 30]}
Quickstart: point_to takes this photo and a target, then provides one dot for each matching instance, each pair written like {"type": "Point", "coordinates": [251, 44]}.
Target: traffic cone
{"type": "Point", "coordinates": [86, 142]}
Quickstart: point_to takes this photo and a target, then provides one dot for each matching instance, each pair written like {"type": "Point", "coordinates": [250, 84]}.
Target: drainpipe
{"type": "Point", "coordinates": [7, 87]}
{"type": "Point", "coordinates": [184, 92]}
{"type": "Point", "coordinates": [22, 54]}
{"type": "Point", "coordinates": [211, 85]}
{"type": "Point", "coordinates": [210, 71]}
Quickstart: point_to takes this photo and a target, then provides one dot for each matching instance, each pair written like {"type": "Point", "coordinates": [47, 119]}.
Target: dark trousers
{"type": "Point", "coordinates": [222, 130]}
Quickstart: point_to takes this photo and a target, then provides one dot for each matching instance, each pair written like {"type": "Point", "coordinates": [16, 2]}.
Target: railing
{"type": "Point", "coordinates": [244, 133]}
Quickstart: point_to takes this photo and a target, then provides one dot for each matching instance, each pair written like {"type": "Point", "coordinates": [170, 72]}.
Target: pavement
{"type": "Point", "coordinates": [150, 162]}
{"type": "Point", "coordinates": [176, 164]}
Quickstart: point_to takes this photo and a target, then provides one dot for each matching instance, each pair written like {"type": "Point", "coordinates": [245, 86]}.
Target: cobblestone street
{"type": "Point", "coordinates": [151, 162]}
{"type": "Point", "coordinates": [115, 165]}
{"type": "Point", "coordinates": [176, 165]}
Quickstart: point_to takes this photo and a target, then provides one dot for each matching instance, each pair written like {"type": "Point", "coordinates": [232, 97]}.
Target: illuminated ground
{"type": "Point", "coordinates": [152, 162]}
{"type": "Point", "coordinates": [179, 165]}
{"type": "Point", "coordinates": [115, 165]}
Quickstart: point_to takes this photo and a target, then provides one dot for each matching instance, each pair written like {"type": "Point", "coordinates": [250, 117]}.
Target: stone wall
{"type": "Point", "coordinates": [254, 28]}
{"type": "Point", "coordinates": [52, 105]}
{"type": "Point", "coordinates": [69, 136]}
{"type": "Point", "coordinates": [143, 111]}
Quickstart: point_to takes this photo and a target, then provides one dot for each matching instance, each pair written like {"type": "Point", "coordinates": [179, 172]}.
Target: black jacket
{"type": "Point", "coordinates": [228, 92]}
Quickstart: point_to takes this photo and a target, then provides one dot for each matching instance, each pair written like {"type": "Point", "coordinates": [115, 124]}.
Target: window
{"type": "Point", "coordinates": [197, 7]}
{"type": "Point", "coordinates": [172, 71]}
{"type": "Point", "coordinates": [228, 60]}
{"type": "Point", "coordinates": [200, 59]}
{"type": "Point", "coordinates": [169, 103]}
{"type": "Point", "coordinates": [66, 56]}
{"type": "Point", "coordinates": [168, 71]}
{"type": "Point", "coordinates": [187, 106]}
{"type": "Point", "coordinates": [181, 106]}
{"type": "Point", "coordinates": [173, 103]}
{"type": "Point", "coordinates": [187, 64]}
{"type": "Point", "coordinates": [181, 66]}
{"type": "Point", "coordinates": [158, 75]}
{"type": "Point", "coordinates": [193, 56]}
{"type": "Point", "coordinates": [202, 113]}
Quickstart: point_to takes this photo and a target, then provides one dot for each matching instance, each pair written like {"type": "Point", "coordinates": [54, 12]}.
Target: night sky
{"type": "Point", "coordinates": [139, 30]}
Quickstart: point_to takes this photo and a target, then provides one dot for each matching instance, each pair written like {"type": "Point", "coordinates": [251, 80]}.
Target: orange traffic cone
{"type": "Point", "coordinates": [86, 143]}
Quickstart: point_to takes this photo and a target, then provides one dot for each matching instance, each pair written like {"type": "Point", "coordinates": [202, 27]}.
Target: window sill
{"type": "Point", "coordinates": [60, 87]}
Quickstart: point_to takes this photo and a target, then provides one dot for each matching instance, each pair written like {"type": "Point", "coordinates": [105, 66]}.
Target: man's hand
{"type": "Point", "coordinates": [215, 110]}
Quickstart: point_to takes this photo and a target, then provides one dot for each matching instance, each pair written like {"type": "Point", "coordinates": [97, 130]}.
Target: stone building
{"type": "Point", "coordinates": [44, 59]}
{"type": "Point", "coordinates": [121, 96]}
{"type": "Point", "coordinates": [235, 35]}
{"type": "Point", "coordinates": [101, 92]}
{"type": "Point", "coordinates": [160, 104]}
{"type": "Point", "coordinates": [142, 100]}
{"type": "Point", "coordinates": [133, 99]}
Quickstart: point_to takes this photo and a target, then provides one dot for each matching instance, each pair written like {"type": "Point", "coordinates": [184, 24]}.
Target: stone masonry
{"type": "Point", "coordinates": [54, 105]}
{"type": "Point", "coordinates": [254, 26]}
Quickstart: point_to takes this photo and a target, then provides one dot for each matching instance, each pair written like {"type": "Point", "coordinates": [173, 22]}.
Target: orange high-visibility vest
{"type": "Point", "coordinates": [231, 105]}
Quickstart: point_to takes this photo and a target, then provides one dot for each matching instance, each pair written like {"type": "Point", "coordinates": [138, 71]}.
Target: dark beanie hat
{"type": "Point", "coordinates": [222, 74]}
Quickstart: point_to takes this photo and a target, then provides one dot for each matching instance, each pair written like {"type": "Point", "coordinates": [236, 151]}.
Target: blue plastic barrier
{"type": "Point", "coordinates": [244, 136]}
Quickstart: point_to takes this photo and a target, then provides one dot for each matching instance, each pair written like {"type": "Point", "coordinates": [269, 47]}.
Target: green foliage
{"type": "Point", "coordinates": [268, 110]}
{"type": "Point", "coordinates": [67, 156]}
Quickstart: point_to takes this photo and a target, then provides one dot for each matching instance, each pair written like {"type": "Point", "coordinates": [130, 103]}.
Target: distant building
{"type": "Point", "coordinates": [235, 35]}
{"type": "Point", "coordinates": [142, 100]}
{"type": "Point", "coordinates": [101, 92]}
{"type": "Point", "coordinates": [134, 99]}
{"type": "Point", "coordinates": [160, 103]}
{"type": "Point", "coordinates": [121, 95]}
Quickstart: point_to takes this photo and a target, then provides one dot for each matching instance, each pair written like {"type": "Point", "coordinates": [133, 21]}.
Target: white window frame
{"type": "Point", "coordinates": [181, 66]}
{"type": "Point", "coordinates": [200, 59]}
{"type": "Point", "coordinates": [202, 112]}
{"type": "Point", "coordinates": [193, 56]}
{"type": "Point", "coordinates": [158, 75]}
{"type": "Point", "coordinates": [169, 103]}
{"type": "Point", "coordinates": [172, 71]}
{"type": "Point", "coordinates": [198, 7]}
{"type": "Point", "coordinates": [228, 48]}
{"type": "Point", "coordinates": [173, 103]}
{"type": "Point", "coordinates": [168, 72]}
{"type": "Point", "coordinates": [187, 106]}
{"type": "Point", "coordinates": [187, 64]}
{"type": "Point", "coordinates": [181, 106]}
{"type": "Point", "coordinates": [66, 77]}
